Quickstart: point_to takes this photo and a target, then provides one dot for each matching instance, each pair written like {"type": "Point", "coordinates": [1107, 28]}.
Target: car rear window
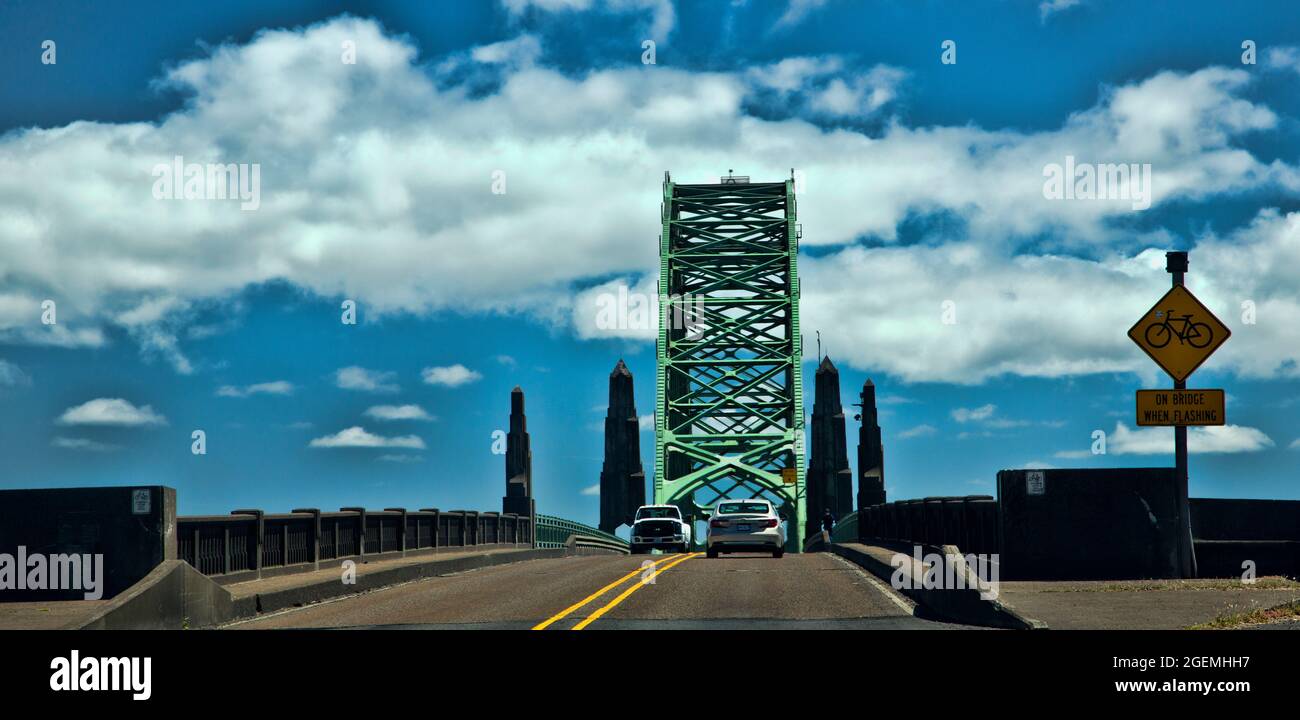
{"type": "Point", "coordinates": [731, 508]}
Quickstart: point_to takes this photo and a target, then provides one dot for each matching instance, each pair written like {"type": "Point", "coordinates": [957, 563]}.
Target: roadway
{"type": "Point", "coordinates": [809, 591]}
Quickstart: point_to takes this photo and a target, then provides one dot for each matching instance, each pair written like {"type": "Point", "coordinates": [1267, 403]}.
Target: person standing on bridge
{"type": "Point", "coordinates": [828, 521]}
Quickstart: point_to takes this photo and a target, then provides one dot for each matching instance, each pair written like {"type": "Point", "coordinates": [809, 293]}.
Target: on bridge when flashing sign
{"type": "Point", "coordinates": [1180, 407]}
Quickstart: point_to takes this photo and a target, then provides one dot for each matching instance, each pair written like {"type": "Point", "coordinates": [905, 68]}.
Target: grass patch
{"type": "Point", "coordinates": [1228, 621]}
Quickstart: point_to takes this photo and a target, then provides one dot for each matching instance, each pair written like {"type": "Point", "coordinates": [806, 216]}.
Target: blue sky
{"type": "Point", "coordinates": [922, 185]}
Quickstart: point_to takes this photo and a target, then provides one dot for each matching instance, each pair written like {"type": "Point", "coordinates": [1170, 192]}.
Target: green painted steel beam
{"type": "Point", "coordinates": [729, 383]}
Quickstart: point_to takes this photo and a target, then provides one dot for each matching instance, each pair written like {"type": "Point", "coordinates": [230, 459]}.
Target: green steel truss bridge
{"type": "Point", "coordinates": [729, 388]}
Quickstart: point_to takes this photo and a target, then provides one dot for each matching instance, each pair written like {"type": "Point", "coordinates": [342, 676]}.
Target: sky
{"type": "Point", "coordinates": [470, 180]}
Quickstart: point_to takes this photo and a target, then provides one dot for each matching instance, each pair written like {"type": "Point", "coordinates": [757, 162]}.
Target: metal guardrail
{"type": "Point", "coordinates": [846, 530]}
{"type": "Point", "coordinates": [248, 541]}
{"type": "Point", "coordinates": [554, 532]}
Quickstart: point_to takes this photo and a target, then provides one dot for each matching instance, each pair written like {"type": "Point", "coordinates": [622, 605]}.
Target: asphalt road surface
{"type": "Point", "coordinates": [812, 591]}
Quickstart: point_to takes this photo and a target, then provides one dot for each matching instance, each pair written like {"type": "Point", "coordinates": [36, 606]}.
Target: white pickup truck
{"type": "Point", "coordinates": [660, 526]}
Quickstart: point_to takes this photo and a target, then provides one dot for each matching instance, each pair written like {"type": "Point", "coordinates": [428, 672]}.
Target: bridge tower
{"type": "Point", "coordinates": [729, 389]}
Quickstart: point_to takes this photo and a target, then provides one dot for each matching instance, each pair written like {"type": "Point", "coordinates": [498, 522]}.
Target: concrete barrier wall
{"type": "Point", "coordinates": [1109, 523]}
{"type": "Point", "coordinates": [1233, 535]}
{"type": "Point", "coordinates": [132, 528]}
{"type": "Point", "coordinates": [1103, 524]}
{"type": "Point", "coordinates": [174, 596]}
{"type": "Point", "coordinates": [1220, 519]}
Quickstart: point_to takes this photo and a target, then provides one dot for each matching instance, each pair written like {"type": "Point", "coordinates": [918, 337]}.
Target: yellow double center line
{"type": "Point", "coordinates": [621, 597]}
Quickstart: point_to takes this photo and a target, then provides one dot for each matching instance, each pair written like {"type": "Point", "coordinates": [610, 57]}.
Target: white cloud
{"type": "Point", "coordinates": [1285, 57]}
{"type": "Point", "coordinates": [821, 87]}
{"type": "Point", "coordinates": [152, 323]}
{"type": "Point", "coordinates": [507, 361]}
{"type": "Point", "coordinates": [663, 14]}
{"type": "Point", "coordinates": [82, 444]}
{"type": "Point", "coordinates": [1047, 8]}
{"type": "Point", "coordinates": [519, 6]}
{"type": "Point", "coordinates": [1295, 444]}
{"type": "Point", "coordinates": [110, 411]}
{"type": "Point", "coordinates": [796, 11]}
{"type": "Point", "coordinates": [400, 458]}
{"type": "Point", "coordinates": [521, 51]}
{"type": "Point", "coordinates": [646, 423]}
{"type": "Point", "coordinates": [80, 194]}
{"type": "Point", "coordinates": [860, 95]}
{"type": "Point", "coordinates": [358, 437]}
{"type": "Point", "coordinates": [918, 431]}
{"type": "Point", "coordinates": [1037, 465]}
{"type": "Point", "coordinates": [397, 412]}
{"type": "Point", "coordinates": [591, 490]}
{"type": "Point", "coordinates": [792, 74]}
{"type": "Point", "coordinates": [1160, 440]}
{"type": "Point", "coordinates": [12, 376]}
{"type": "Point", "coordinates": [450, 376]}
{"type": "Point", "coordinates": [359, 378]}
{"type": "Point", "coordinates": [276, 387]}
{"type": "Point", "coordinates": [1022, 315]}
{"type": "Point", "coordinates": [982, 412]}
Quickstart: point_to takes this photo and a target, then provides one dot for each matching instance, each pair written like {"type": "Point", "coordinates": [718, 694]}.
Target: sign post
{"type": "Point", "coordinates": [1176, 265]}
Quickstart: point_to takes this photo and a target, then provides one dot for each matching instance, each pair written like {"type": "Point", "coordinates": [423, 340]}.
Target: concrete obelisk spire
{"type": "Point", "coordinates": [622, 479]}
{"type": "Point", "coordinates": [829, 478]}
{"type": "Point", "coordinates": [519, 461]}
{"type": "Point", "coordinates": [871, 453]}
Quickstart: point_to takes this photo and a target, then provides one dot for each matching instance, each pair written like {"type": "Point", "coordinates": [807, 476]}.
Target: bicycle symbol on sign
{"type": "Point", "coordinates": [1196, 334]}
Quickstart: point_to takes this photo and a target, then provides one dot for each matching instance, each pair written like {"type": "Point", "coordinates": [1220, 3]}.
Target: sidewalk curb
{"type": "Point", "coordinates": [962, 606]}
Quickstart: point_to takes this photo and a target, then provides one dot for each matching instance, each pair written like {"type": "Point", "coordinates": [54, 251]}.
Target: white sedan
{"type": "Point", "coordinates": [745, 526]}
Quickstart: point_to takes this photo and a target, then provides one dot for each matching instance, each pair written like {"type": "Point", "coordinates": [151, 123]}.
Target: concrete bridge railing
{"type": "Point", "coordinates": [247, 542]}
{"type": "Point", "coordinates": [970, 522]}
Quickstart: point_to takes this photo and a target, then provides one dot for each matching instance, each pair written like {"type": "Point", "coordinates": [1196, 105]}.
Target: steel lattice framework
{"type": "Point", "coordinates": [728, 414]}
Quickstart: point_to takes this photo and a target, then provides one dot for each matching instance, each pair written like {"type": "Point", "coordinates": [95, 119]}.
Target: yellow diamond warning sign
{"type": "Point", "coordinates": [1180, 407]}
{"type": "Point", "coordinates": [1179, 333]}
